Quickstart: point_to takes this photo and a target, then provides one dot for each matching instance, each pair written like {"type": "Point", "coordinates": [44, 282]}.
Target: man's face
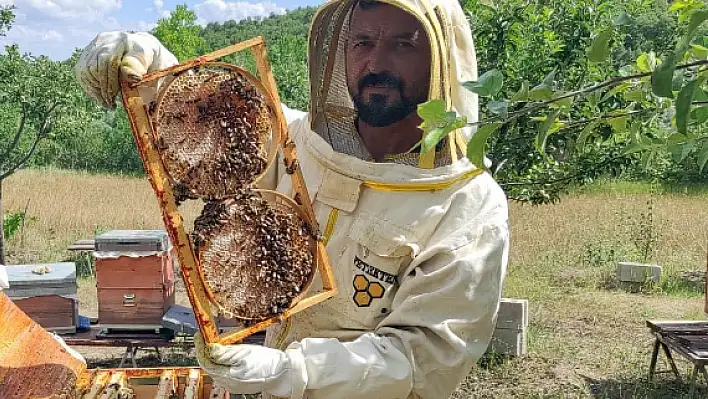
{"type": "Point", "coordinates": [388, 63]}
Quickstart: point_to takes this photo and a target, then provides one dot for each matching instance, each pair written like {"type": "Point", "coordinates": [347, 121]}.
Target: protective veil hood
{"type": "Point", "coordinates": [332, 112]}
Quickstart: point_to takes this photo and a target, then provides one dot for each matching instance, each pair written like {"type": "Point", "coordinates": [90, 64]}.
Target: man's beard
{"type": "Point", "coordinates": [377, 112]}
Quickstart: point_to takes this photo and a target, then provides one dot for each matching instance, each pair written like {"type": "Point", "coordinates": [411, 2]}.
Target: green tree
{"type": "Point", "coordinates": [39, 100]}
{"type": "Point", "coordinates": [181, 34]}
{"type": "Point", "coordinates": [7, 17]}
{"type": "Point", "coordinates": [573, 124]}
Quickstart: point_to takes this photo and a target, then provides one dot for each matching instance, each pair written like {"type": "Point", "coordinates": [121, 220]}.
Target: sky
{"type": "Point", "coordinates": [56, 27]}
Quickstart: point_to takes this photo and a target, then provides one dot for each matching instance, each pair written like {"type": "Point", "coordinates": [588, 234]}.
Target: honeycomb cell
{"type": "Point", "coordinates": [360, 283]}
{"type": "Point", "coordinates": [376, 290]}
{"type": "Point", "coordinates": [362, 299]}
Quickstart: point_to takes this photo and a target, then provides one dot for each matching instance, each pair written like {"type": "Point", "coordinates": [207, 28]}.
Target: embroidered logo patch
{"type": "Point", "coordinates": [365, 291]}
{"type": "Point", "coordinates": [374, 272]}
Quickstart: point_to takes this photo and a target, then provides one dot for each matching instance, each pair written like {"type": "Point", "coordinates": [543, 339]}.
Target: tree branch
{"type": "Point", "coordinates": [590, 89]}
{"type": "Point", "coordinates": [39, 135]}
{"type": "Point", "coordinates": [18, 134]}
{"type": "Point", "coordinates": [562, 179]}
{"type": "Point", "coordinates": [605, 117]}
{"type": "Point", "coordinates": [22, 161]}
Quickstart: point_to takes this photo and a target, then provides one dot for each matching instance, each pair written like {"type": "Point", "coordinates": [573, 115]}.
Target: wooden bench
{"type": "Point", "coordinates": [687, 338]}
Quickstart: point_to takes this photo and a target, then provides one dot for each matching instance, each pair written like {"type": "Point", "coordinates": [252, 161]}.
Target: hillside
{"type": "Point", "coordinates": [286, 38]}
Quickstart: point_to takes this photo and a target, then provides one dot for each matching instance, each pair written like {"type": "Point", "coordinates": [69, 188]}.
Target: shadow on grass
{"type": "Point", "coordinates": [643, 388]}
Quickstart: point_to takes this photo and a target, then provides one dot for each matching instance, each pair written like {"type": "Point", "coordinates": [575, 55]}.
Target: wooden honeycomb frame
{"type": "Point", "coordinates": [143, 131]}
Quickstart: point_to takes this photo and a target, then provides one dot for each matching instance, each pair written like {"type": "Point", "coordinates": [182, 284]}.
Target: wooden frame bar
{"type": "Point", "coordinates": [194, 388]}
{"type": "Point", "coordinates": [174, 222]}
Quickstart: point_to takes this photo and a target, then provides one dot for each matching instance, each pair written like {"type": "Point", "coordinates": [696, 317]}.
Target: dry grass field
{"type": "Point", "coordinates": [587, 335]}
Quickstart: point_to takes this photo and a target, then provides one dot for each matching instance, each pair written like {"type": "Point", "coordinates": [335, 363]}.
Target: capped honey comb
{"type": "Point", "coordinates": [212, 128]}
{"type": "Point", "coordinates": [256, 254]}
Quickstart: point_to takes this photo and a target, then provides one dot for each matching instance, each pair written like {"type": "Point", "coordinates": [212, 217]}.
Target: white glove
{"type": "Point", "coordinates": [4, 280]}
{"type": "Point", "coordinates": [66, 347]}
{"type": "Point", "coordinates": [250, 369]}
{"type": "Point", "coordinates": [113, 53]}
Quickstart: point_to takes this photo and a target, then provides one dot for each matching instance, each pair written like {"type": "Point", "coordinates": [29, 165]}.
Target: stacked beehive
{"type": "Point", "coordinates": [135, 278]}
{"type": "Point", "coordinates": [47, 293]}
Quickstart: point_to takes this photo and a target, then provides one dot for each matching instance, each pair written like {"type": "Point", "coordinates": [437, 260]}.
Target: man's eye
{"type": "Point", "coordinates": [362, 43]}
{"type": "Point", "coordinates": [404, 44]}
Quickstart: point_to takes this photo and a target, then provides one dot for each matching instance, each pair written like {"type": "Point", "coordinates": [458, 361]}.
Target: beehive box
{"type": "Point", "coordinates": [50, 299]}
{"type": "Point", "coordinates": [134, 278]}
{"type": "Point", "coordinates": [34, 365]}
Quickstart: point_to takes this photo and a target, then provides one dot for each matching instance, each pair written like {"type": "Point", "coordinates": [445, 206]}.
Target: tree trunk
{"type": "Point", "coordinates": [2, 230]}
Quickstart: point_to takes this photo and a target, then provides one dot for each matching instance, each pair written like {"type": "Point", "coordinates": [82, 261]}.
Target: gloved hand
{"type": "Point", "coordinates": [250, 369]}
{"type": "Point", "coordinates": [113, 53]}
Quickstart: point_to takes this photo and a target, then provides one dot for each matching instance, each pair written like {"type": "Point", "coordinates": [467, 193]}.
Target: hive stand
{"type": "Point", "coordinates": [143, 132]}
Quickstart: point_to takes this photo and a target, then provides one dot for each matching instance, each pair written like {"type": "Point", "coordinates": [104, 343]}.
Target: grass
{"type": "Point", "coordinates": [587, 336]}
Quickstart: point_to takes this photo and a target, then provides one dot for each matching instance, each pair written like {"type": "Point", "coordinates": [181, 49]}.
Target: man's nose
{"type": "Point", "coordinates": [378, 59]}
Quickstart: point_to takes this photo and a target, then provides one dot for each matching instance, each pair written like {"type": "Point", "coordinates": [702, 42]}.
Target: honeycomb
{"type": "Point", "coordinates": [255, 253]}
{"type": "Point", "coordinates": [212, 126]}
{"type": "Point", "coordinates": [213, 131]}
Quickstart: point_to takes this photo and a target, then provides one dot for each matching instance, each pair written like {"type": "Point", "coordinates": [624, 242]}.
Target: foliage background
{"type": "Point", "coordinates": [525, 40]}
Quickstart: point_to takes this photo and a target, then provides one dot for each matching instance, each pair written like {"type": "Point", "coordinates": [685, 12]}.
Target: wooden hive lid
{"type": "Point", "coordinates": [59, 274]}
{"type": "Point", "coordinates": [133, 241]}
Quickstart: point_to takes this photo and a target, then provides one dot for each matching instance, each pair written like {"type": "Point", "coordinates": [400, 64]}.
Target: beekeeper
{"type": "Point", "coordinates": [418, 241]}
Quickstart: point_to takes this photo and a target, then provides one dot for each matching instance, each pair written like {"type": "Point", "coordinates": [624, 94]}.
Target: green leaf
{"type": "Point", "coordinates": [476, 145]}
{"type": "Point", "coordinates": [541, 93]}
{"type": "Point", "coordinates": [647, 157]}
{"type": "Point", "coordinates": [663, 76]}
{"type": "Point", "coordinates": [699, 52]}
{"type": "Point", "coordinates": [522, 94]}
{"type": "Point", "coordinates": [646, 62]}
{"type": "Point", "coordinates": [432, 111]}
{"type": "Point", "coordinates": [701, 95]}
{"type": "Point", "coordinates": [697, 19]}
{"type": "Point", "coordinates": [437, 123]}
{"type": "Point", "coordinates": [677, 6]}
{"type": "Point", "coordinates": [634, 148]}
{"type": "Point", "coordinates": [564, 103]}
{"type": "Point", "coordinates": [616, 90]}
{"type": "Point", "coordinates": [635, 95]}
{"type": "Point", "coordinates": [488, 85]}
{"type": "Point", "coordinates": [500, 108]}
{"type": "Point", "coordinates": [676, 138]}
{"type": "Point", "coordinates": [619, 124]}
{"type": "Point", "coordinates": [600, 47]}
{"type": "Point", "coordinates": [587, 131]}
{"type": "Point", "coordinates": [703, 157]}
{"type": "Point", "coordinates": [545, 127]}
{"type": "Point", "coordinates": [679, 151]}
{"type": "Point", "coordinates": [488, 3]}
{"type": "Point", "coordinates": [683, 106]}
{"type": "Point", "coordinates": [700, 115]}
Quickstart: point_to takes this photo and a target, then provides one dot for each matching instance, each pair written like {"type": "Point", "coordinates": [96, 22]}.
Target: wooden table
{"type": "Point", "coordinates": [687, 338]}
{"type": "Point", "coordinates": [136, 340]}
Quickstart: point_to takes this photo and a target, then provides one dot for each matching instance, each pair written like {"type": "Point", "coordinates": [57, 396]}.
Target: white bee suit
{"type": "Point", "coordinates": [419, 247]}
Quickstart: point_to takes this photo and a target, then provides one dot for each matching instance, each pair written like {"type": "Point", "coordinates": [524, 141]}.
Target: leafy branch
{"type": "Point", "coordinates": [659, 95]}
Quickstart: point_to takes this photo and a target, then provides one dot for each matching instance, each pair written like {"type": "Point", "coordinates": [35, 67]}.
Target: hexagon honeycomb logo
{"type": "Point", "coordinates": [366, 291]}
